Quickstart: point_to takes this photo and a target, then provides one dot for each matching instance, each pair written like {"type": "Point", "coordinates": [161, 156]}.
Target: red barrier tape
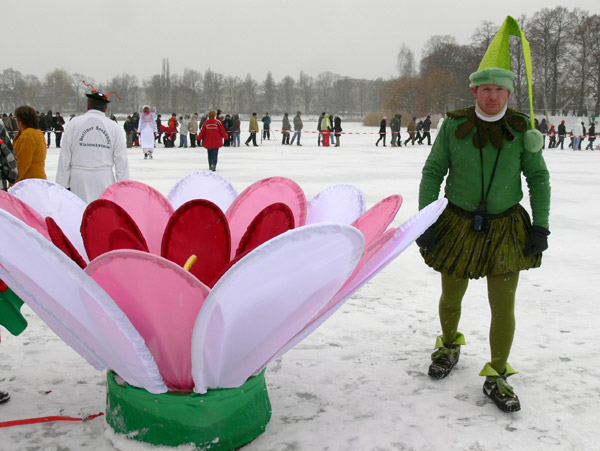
{"type": "Point", "coordinates": [5, 424]}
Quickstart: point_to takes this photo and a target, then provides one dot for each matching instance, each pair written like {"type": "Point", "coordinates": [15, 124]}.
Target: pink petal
{"type": "Point", "coordinates": [376, 220]}
{"type": "Point", "coordinates": [24, 212]}
{"type": "Point", "coordinates": [149, 209]}
{"type": "Point", "coordinates": [162, 300]}
{"type": "Point", "coordinates": [260, 195]}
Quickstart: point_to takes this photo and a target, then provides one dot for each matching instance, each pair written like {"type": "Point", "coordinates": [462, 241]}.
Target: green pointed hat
{"type": "Point", "coordinates": [495, 65]}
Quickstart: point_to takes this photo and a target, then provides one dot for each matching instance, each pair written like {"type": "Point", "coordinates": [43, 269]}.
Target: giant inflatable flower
{"type": "Point", "coordinates": [199, 290]}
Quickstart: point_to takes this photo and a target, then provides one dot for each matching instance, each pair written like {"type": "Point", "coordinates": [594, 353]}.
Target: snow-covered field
{"type": "Point", "coordinates": [360, 381]}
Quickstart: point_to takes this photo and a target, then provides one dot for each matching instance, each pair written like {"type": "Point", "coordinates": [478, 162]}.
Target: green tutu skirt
{"type": "Point", "coordinates": [464, 253]}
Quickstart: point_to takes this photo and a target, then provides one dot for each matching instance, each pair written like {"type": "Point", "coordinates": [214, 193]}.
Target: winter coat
{"type": "Point", "coordinates": [59, 121]}
{"type": "Point", "coordinates": [395, 124]}
{"type": "Point", "coordinates": [298, 124]}
{"type": "Point", "coordinates": [337, 127]}
{"type": "Point", "coordinates": [577, 130]}
{"type": "Point", "coordinates": [285, 124]}
{"type": "Point", "coordinates": [42, 123]}
{"type": "Point", "coordinates": [9, 171]}
{"type": "Point", "coordinates": [266, 120]}
{"type": "Point", "coordinates": [325, 123]}
{"type": "Point", "coordinates": [173, 122]}
{"type": "Point", "coordinates": [227, 123]}
{"type": "Point", "coordinates": [30, 149]}
{"type": "Point", "coordinates": [382, 126]}
{"type": "Point", "coordinates": [543, 127]}
{"type": "Point", "coordinates": [212, 134]}
{"type": "Point", "coordinates": [412, 126]}
{"type": "Point", "coordinates": [92, 146]}
{"type": "Point", "coordinates": [427, 125]}
{"type": "Point", "coordinates": [592, 131]}
{"type": "Point", "coordinates": [236, 127]}
{"type": "Point", "coordinates": [253, 128]}
{"type": "Point", "coordinates": [319, 122]}
{"type": "Point", "coordinates": [562, 130]}
{"type": "Point", "coordinates": [185, 126]}
{"type": "Point", "coordinates": [193, 126]}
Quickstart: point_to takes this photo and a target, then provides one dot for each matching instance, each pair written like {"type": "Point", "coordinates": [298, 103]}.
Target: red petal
{"type": "Point", "coordinates": [199, 228]}
{"type": "Point", "coordinates": [270, 222]}
{"type": "Point", "coordinates": [60, 240]}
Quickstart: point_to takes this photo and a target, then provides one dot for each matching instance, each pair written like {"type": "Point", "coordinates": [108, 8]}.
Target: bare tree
{"type": "Point", "coordinates": [233, 87]}
{"type": "Point", "coordinates": [305, 85]}
{"type": "Point", "coordinates": [287, 94]}
{"type": "Point", "coordinates": [58, 90]}
{"type": "Point", "coordinates": [483, 35]}
{"type": "Point", "coordinates": [269, 92]}
{"type": "Point", "coordinates": [405, 62]}
{"type": "Point", "coordinates": [213, 88]}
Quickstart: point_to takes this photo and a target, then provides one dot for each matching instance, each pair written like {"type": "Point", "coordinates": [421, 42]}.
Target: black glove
{"type": "Point", "coordinates": [427, 240]}
{"type": "Point", "coordinates": [537, 241]}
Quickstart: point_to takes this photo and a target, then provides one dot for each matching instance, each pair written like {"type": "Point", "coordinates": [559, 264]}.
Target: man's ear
{"type": "Point", "coordinates": [474, 90]}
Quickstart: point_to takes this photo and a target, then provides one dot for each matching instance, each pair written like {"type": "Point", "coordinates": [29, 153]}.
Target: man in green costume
{"type": "Point", "coordinates": [484, 232]}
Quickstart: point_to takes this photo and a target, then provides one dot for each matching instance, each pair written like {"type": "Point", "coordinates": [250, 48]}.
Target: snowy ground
{"type": "Point", "coordinates": [360, 382]}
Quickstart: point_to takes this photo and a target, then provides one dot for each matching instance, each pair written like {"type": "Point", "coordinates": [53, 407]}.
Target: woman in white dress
{"type": "Point", "coordinates": [147, 130]}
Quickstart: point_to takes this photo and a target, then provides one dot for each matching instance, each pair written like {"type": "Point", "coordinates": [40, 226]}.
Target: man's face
{"type": "Point", "coordinates": [491, 98]}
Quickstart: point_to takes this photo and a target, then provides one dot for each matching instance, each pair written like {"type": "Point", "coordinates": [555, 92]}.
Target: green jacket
{"type": "Point", "coordinates": [395, 124]}
{"type": "Point", "coordinates": [253, 128]}
{"type": "Point", "coordinates": [455, 153]}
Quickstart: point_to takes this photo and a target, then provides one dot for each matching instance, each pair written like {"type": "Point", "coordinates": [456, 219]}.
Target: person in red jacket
{"type": "Point", "coordinates": [212, 135]}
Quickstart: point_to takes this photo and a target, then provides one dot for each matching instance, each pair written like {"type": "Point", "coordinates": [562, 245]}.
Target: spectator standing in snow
{"type": "Point", "coordinates": [577, 132]}
{"type": "Point", "coordinates": [173, 124]}
{"type": "Point", "coordinates": [212, 135]}
{"type": "Point", "coordinates": [193, 129]}
{"type": "Point", "coordinates": [298, 125]}
{"type": "Point", "coordinates": [319, 134]}
{"type": "Point", "coordinates": [411, 129]}
{"type": "Point", "coordinates": [543, 128]}
{"type": "Point", "coordinates": [337, 129]}
{"type": "Point", "coordinates": [93, 148]}
{"type": "Point", "coordinates": [286, 126]}
{"type": "Point", "coordinates": [484, 231]}
{"type": "Point", "coordinates": [552, 135]}
{"type": "Point", "coordinates": [49, 126]}
{"type": "Point", "coordinates": [591, 136]}
{"type": "Point", "coordinates": [14, 127]}
{"type": "Point", "coordinates": [184, 130]}
{"type": "Point", "coordinates": [59, 123]}
{"type": "Point", "coordinates": [395, 125]}
{"type": "Point", "coordinates": [325, 129]}
{"type": "Point", "coordinates": [382, 132]}
{"type": "Point", "coordinates": [562, 132]}
{"type": "Point", "coordinates": [426, 127]}
{"type": "Point", "coordinates": [266, 120]}
{"type": "Point", "coordinates": [147, 130]}
{"type": "Point", "coordinates": [158, 127]}
{"type": "Point", "coordinates": [129, 128]}
{"type": "Point", "coordinates": [29, 144]}
{"type": "Point", "coordinates": [253, 129]}
{"type": "Point", "coordinates": [236, 128]}
{"type": "Point", "coordinates": [228, 124]}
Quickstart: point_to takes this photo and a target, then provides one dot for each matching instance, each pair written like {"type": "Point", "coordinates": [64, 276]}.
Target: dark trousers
{"type": "Point", "coordinates": [411, 137]}
{"type": "Point", "coordinates": [58, 138]}
{"type": "Point", "coordinates": [193, 140]}
{"type": "Point", "coordinates": [266, 133]}
{"type": "Point", "coordinates": [286, 138]}
{"type": "Point", "coordinates": [213, 155]}
{"type": "Point", "coordinates": [49, 135]}
{"type": "Point", "coordinates": [427, 135]}
{"type": "Point", "coordinates": [381, 136]}
{"type": "Point", "coordinates": [561, 141]}
{"type": "Point", "coordinates": [252, 138]}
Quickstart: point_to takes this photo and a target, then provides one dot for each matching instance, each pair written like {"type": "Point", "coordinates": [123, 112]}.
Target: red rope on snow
{"type": "Point", "coordinates": [5, 424]}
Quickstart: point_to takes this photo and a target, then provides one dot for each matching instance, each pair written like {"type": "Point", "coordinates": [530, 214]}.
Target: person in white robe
{"type": "Point", "coordinates": [147, 130]}
{"type": "Point", "coordinates": [93, 154]}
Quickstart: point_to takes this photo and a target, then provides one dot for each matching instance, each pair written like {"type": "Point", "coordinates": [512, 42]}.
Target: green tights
{"type": "Point", "coordinates": [501, 296]}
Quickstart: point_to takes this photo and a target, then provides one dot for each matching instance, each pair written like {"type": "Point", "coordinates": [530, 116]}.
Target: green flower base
{"type": "Point", "coordinates": [222, 419]}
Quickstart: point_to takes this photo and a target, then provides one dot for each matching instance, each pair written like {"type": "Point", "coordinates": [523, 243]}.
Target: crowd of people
{"type": "Point", "coordinates": [577, 134]}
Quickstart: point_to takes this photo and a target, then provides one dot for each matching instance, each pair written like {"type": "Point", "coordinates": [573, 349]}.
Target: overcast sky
{"type": "Point", "coordinates": [101, 39]}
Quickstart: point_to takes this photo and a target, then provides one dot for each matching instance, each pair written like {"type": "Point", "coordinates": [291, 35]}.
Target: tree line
{"type": "Point", "coordinates": [565, 49]}
{"type": "Point", "coordinates": [194, 91]}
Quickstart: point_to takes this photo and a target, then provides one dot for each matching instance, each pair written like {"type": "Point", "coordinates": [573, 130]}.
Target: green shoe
{"type": "Point", "coordinates": [498, 390]}
{"type": "Point", "coordinates": [445, 357]}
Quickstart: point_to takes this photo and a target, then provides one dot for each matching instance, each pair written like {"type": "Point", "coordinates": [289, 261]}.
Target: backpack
{"type": "Point", "coordinates": [8, 161]}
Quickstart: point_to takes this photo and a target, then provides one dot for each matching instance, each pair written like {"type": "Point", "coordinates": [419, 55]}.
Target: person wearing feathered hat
{"type": "Point", "coordinates": [484, 231]}
{"type": "Point", "coordinates": [93, 155]}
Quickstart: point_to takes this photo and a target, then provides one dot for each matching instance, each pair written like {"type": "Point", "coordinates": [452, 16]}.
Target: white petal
{"type": "Point", "coordinates": [267, 298]}
{"type": "Point", "coordinates": [203, 185]}
{"type": "Point", "coordinates": [75, 307]}
{"type": "Point", "coordinates": [341, 204]}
